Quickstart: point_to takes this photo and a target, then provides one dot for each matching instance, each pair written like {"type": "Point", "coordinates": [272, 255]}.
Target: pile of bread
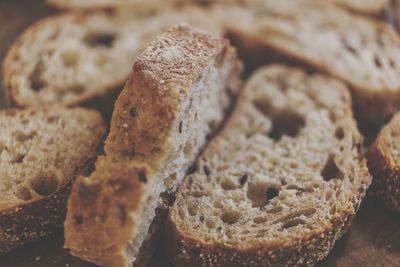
{"type": "Point", "coordinates": [215, 161]}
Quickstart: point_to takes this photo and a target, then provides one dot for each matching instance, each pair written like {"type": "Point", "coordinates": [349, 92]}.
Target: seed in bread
{"type": "Point", "coordinates": [177, 95]}
{"type": "Point", "coordinates": [41, 152]}
{"type": "Point", "coordinates": [281, 181]}
{"type": "Point", "coordinates": [360, 51]}
{"type": "Point", "coordinates": [384, 164]}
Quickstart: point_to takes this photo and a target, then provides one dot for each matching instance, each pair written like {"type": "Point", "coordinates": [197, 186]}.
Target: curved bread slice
{"type": "Point", "coordinates": [82, 58]}
{"type": "Point", "coordinates": [41, 152]}
{"type": "Point", "coordinates": [384, 164]}
{"type": "Point", "coordinates": [176, 96]}
{"type": "Point", "coordinates": [279, 184]}
{"type": "Point", "coordinates": [362, 52]}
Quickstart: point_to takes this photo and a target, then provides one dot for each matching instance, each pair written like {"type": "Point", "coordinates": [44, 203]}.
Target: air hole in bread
{"type": "Point", "coordinates": [293, 223]}
{"type": "Point", "coordinates": [133, 112]}
{"type": "Point", "coordinates": [70, 58]}
{"type": "Point", "coordinates": [198, 194]}
{"type": "Point", "coordinates": [230, 216]}
{"type": "Point", "coordinates": [339, 133]}
{"type": "Point", "coordinates": [206, 170]}
{"type": "Point", "coordinates": [77, 219]}
{"type": "Point", "coordinates": [180, 126]}
{"type": "Point", "coordinates": [142, 177]}
{"type": "Point", "coordinates": [260, 219]}
{"type": "Point", "coordinates": [305, 212]}
{"type": "Point", "coordinates": [260, 193]}
{"type": "Point", "coordinates": [192, 209]}
{"type": "Point", "coordinates": [37, 82]}
{"type": "Point", "coordinates": [274, 209]}
{"type": "Point", "coordinates": [44, 185]}
{"type": "Point", "coordinates": [330, 170]}
{"type": "Point", "coordinates": [20, 136]}
{"type": "Point", "coordinates": [349, 47]}
{"type": "Point", "coordinates": [391, 63]}
{"type": "Point", "coordinates": [212, 125]}
{"type": "Point", "coordinates": [18, 158]}
{"type": "Point", "coordinates": [23, 193]}
{"type": "Point", "coordinates": [243, 179]}
{"type": "Point", "coordinates": [100, 39]}
{"type": "Point", "coordinates": [377, 61]}
{"type": "Point", "coordinates": [217, 205]}
{"type": "Point", "coordinates": [210, 223]}
{"type": "Point", "coordinates": [286, 122]}
{"type": "Point", "coordinates": [76, 89]}
{"type": "Point", "coordinates": [228, 184]}
{"type": "Point", "coordinates": [121, 213]}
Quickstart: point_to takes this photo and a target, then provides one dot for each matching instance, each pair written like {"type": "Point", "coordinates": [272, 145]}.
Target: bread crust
{"type": "Point", "coordinates": [42, 215]}
{"type": "Point", "coordinates": [93, 201]}
{"type": "Point", "coordinates": [141, 142]}
{"type": "Point", "coordinates": [370, 104]}
{"type": "Point", "coordinates": [384, 166]}
{"type": "Point", "coordinates": [155, 90]}
{"type": "Point", "coordinates": [184, 248]}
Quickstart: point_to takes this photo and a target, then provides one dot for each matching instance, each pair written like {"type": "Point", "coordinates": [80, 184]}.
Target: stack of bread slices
{"type": "Point", "coordinates": [214, 169]}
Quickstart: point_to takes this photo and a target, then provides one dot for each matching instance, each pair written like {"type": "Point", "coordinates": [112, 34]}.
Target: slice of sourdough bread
{"type": "Point", "coordinates": [41, 152]}
{"type": "Point", "coordinates": [384, 164]}
{"type": "Point", "coordinates": [281, 181]}
{"type": "Point", "coordinates": [82, 58]}
{"type": "Point", "coordinates": [178, 92]}
{"type": "Point", "coordinates": [360, 51]}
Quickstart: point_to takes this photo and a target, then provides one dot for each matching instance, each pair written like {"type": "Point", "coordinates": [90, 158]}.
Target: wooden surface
{"type": "Point", "coordinates": [372, 240]}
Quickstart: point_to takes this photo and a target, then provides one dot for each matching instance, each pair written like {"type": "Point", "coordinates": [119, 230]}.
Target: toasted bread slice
{"type": "Point", "coordinates": [41, 152]}
{"type": "Point", "coordinates": [85, 58]}
{"type": "Point", "coordinates": [278, 185]}
{"type": "Point", "coordinates": [176, 96]}
{"type": "Point", "coordinates": [360, 51]}
{"type": "Point", "coordinates": [384, 164]}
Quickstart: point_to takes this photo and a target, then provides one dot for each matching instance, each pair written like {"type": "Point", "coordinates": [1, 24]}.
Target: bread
{"type": "Point", "coordinates": [41, 152]}
{"type": "Point", "coordinates": [360, 51]}
{"type": "Point", "coordinates": [85, 58]}
{"type": "Point", "coordinates": [177, 94]}
{"type": "Point", "coordinates": [281, 181]}
{"type": "Point", "coordinates": [384, 165]}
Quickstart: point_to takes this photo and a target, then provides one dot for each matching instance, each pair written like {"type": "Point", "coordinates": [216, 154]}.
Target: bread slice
{"type": "Point", "coordinates": [384, 165]}
{"type": "Point", "coordinates": [360, 51]}
{"type": "Point", "coordinates": [177, 94]}
{"type": "Point", "coordinates": [41, 152]}
{"type": "Point", "coordinates": [81, 58]}
{"type": "Point", "coordinates": [278, 185]}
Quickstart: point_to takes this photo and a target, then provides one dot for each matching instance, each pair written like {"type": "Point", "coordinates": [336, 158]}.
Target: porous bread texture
{"type": "Point", "coordinates": [371, 7]}
{"type": "Point", "coordinates": [41, 152]}
{"type": "Point", "coordinates": [281, 181]}
{"type": "Point", "coordinates": [178, 92]}
{"type": "Point", "coordinates": [76, 58]}
{"type": "Point", "coordinates": [384, 164]}
{"type": "Point", "coordinates": [360, 51]}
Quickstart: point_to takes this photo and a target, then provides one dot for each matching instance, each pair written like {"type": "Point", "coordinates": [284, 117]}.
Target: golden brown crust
{"type": "Point", "coordinates": [42, 215]}
{"type": "Point", "coordinates": [160, 79]}
{"type": "Point", "coordinates": [97, 207]}
{"type": "Point", "coordinates": [384, 165]}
